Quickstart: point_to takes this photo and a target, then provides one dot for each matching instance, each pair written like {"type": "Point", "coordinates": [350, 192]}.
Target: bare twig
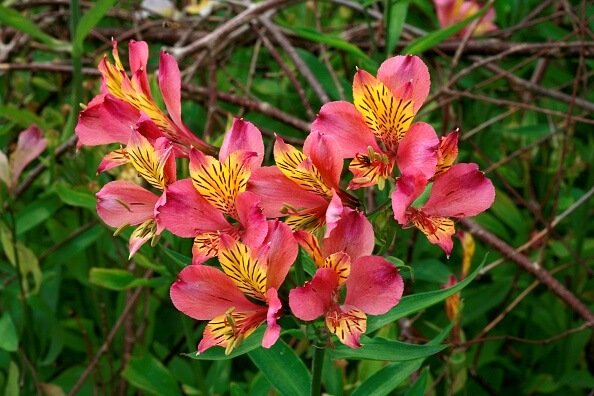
{"type": "Point", "coordinates": [531, 267]}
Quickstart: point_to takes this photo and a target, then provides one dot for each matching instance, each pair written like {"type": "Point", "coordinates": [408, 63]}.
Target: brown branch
{"type": "Point", "coordinates": [532, 268]}
{"type": "Point", "coordinates": [209, 41]}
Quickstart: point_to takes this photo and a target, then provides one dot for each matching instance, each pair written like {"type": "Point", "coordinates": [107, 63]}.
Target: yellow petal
{"type": "Point", "coordinates": [370, 169]}
{"type": "Point", "coordinates": [228, 330]}
{"type": "Point", "coordinates": [247, 272]}
{"type": "Point", "coordinates": [341, 264]}
{"type": "Point", "coordinates": [389, 118]}
{"type": "Point", "coordinates": [220, 183]}
{"type": "Point", "coordinates": [347, 325]}
{"type": "Point", "coordinates": [298, 168]}
{"type": "Point", "coordinates": [147, 162]}
{"type": "Point", "coordinates": [439, 230]}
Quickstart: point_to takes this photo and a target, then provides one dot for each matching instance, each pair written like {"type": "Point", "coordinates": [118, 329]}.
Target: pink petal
{"type": "Point", "coordinates": [281, 251]}
{"type": "Point", "coordinates": [251, 218]}
{"type": "Point", "coordinates": [112, 160]}
{"type": "Point", "coordinates": [30, 145]}
{"type": "Point", "coordinates": [313, 300]}
{"type": "Point", "coordinates": [403, 73]}
{"type": "Point", "coordinates": [186, 213]}
{"type": "Point", "coordinates": [121, 203]}
{"type": "Point", "coordinates": [323, 150]}
{"type": "Point", "coordinates": [138, 53]}
{"type": "Point", "coordinates": [204, 292]}
{"type": "Point", "coordinates": [462, 191]}
{"type": "Point", "coordinates": [169, 79]}
{"type": "Point", "coordinates": [333, 213]}
{"type": "Point", "coordinates": [106, 120]}
{"type": "Point", "coordinates": [417, 151]}
{"type": "Point", "coordinates": [273, 329]}
{"type": "Point", "coordinates": [164, 150]}
{"type": "Point", "coordinates": [243, 136]}
{"type": "Point", "coordinates": [344, 123]}
{"type": "Point", "coordinates": [446, 11]}
{"type": "Point", "coordinates": [353, 235]}
{"type": "Point", "coordinates": [277, 192]}
{"type": "Point", "coordinates": [374, 285]}
{"type": "Point", "coordinates": [408, 188]}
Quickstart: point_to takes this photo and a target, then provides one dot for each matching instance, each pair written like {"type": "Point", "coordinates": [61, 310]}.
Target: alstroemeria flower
{"type": "Point", "coordinates": [370, 130]}
{"type": "Point", "coordinates": [373, 285]}
{"type": "Point", "coordinates": [302, 186]}
{"type": "Point", "coordinates": [214, 201]}
{"type": "Point", "coordinates": [125, 102]}
{"type": "Point", "coordinates": [221, 296]}
{"type": "Point", "coordinates": [461, 191]}
{"type": "Point", "coordinates": [30, 144]}
{"type": "Point", "coordinates": [121, 203]}
{"type": "Point", "coordinates": [450, 12]}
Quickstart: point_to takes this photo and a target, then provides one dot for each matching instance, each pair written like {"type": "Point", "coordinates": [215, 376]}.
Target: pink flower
{"type": "Point", "coordinates": [126, 104]}
{"type": "Point", "coordinates": [214, 201]}
{"type": "Point", "coordinates": [450, 12]}
{"type": "Point", "coordinates": [461, 191]}
{"type": "Point", "coordinates": [373, 285]}
{"type": "Point", "coordinates": [371, 129]}
{"type": "Point", "coordinates": [303, 186]}
{"type": "Point", "coordinates": [30, 145]}
{"type": "Point", "coordinates": [121, 203]}
{"type": "Point", "coordinates": [220, 296]}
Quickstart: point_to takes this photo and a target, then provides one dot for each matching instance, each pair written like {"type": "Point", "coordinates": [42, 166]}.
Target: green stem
{"type": "Point", "coordinates": [316, 370]}
{"type": "Point", "coordinates": [379, 208]}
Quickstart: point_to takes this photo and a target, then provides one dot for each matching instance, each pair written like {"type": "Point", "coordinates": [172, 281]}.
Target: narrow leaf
{"type": "Point", "coordinates": [8, 334]}
{"type": "Point", "coordinates": [148, 374]}
{"type": "Point", "coordinates": [396, 11]}
{"type": "Point", "coordinates": [283, 368]}
{"type": "Point", "coordinates": [383, 349]}
{"type": "Point", "coordinates": [89, 20]}
{"type": "Point", "coordinates": [72, 197]}
{"type": "Point", "coordinates": [432, 39]}
{"type": "Point", "coordinates": [417, 302]}
{"type": "Point", "coordinates": [118, 279]}
{"type": "Point", "coordinates": [14, 19]}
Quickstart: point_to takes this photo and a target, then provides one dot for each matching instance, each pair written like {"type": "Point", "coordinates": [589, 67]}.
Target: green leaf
{"type": "Point", "coordinates": [417, 302]}
{"type": "Point", "coordinates": [13, 18]}
{"type": "Point", "coordinates": [388, 378]}
{"type": "Point", "coordinates": [432, 39]}
{"type": "Point", "coordinates": [12, 381]}
{"type": "Point", "coordinates": [89, 20]}
{"type": "Point", "coordinates": [334, 42]}
{"type": "Point", "coordinates": [283, 368]}
{"type": "Point", "coordinates": [217, 353]}
{"type": "Point", "coordinates": [9, 340]}
{"type": "Point", "coordinates": [72, 197]}
{"type": "Point", "coordinates": [396, 11]}
{"type": "Point", "coordinates": [36, 213]}
{"type": "Point", "coordinates": [418, 389]}
{"type": "Point", "coordinates": [383, 349]}
{"type": "Point", "coordinates": [119, 279]}
{"type": "Point", "coordinates": [148, 374]}
{"type": "Point", "coordinates": [21, 117]}
{"type": "Point", "coordinates": [24, 260]}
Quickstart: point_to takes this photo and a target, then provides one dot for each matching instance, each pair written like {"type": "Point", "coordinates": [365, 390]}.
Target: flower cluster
{"type": "Point", "coordinates": [248, 221]}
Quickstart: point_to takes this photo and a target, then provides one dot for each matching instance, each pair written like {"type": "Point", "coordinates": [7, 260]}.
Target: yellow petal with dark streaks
{"type": "Point", "coordinates": [309, 221]}
{"type": "Point", "coordinates": [298, 168]}
{"type": "Point", "coordinates": [247, 272]}
{"type": "Point", "coordinates": [341, 264]}
{"type": "Point", "coordinates": [227, 330]}
{"type": "Point", "coordinates": [220, 183]}
{"type": "Point", "coordinates": [310, 243]}
{"type": "Point", "coordinates": [439, 230]}
{"type": "Point", "coordinates": [348, 325]}
{"type": "Point", "coordinates": [389, 118]}
{"type": "Point", "coordinates": [146, 160]}
{"type": "Point", "coordinates": [207, 244]}
{"type": "Point", "coordinates": [370, 169]}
